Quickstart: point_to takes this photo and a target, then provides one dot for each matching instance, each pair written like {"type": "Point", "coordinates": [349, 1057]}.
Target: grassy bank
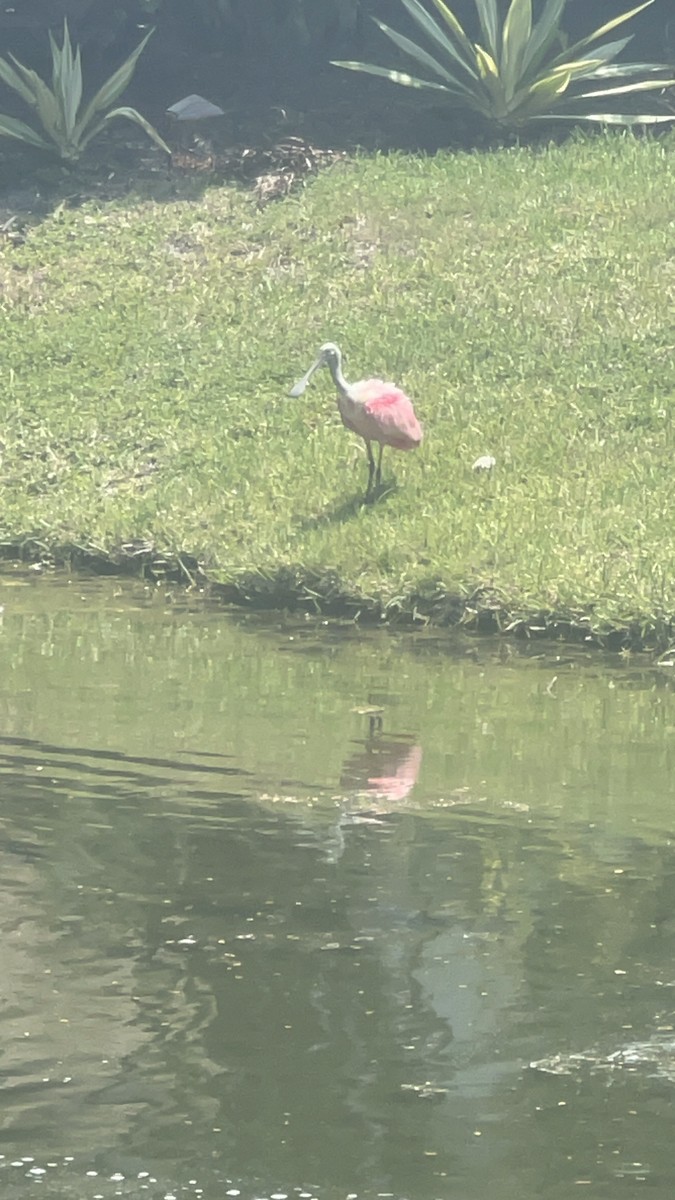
{"type": "Point", "coordinates": [523, 298]}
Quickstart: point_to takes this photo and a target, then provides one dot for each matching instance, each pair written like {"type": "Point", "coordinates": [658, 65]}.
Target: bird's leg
{"type": "Point", "coordinates": [371, 468]}
{"type": "Point", "coordinates": [378, 473]}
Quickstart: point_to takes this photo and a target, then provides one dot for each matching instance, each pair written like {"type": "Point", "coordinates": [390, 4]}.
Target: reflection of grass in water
{"type": "Point", "coordinates": [522, 298]}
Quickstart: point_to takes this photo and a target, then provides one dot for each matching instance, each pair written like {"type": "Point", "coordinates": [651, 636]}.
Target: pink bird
{"type": "Point", "coordinates": [377, 411]}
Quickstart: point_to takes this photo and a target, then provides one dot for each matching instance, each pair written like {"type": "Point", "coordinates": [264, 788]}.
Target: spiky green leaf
{"type": "Point", "coordinates": [515, 36]}
{"type": "Point", "coordinates": [111, 89]}
{"type": "Point", "coordinates": [415, 51]}
{"type": "Point", "coordinates": [12, 127]}
{"type": "Point", "coordinates": [614, 70]}
{"type": "Point", "coordinates": [44, 102]}
{"type": "Point", "coordinates": [67, 79]}
{"type": "Point", "coordinates": [441, 40]}
{"type": "Point", "coordinates": [488, 15]}
{"type": "Point", "coordinates": [579, 69]}
{"type": "Point", "coordinates": [394, 76]}
{"type": "Point", "coordinates": [455, 28]}
{"type": "Point", "coordinates": [607, 27]}
{"type": "Point", "coordinates": [610, 50]}
{"type": "Point", "coordinates": [19, 85]}
{"type": "Point", "coordinates": [540, 96]}
{"type": "Point", "coordinates": [128, 114]}
{"type": "Point", "coordinates": [544, 33]}
{"type": "Point", "coordinates": [492, 81]}
{"type": "Point", "coordinates": [486, 64]}
{"type": "Point", "coordinates": [644, 85]}
{"type": "Point", "coordinates": [623, 119]}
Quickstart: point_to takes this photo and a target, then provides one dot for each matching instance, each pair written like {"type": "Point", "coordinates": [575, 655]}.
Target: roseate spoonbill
{"type": "Point", "coordinates": [377, 411]}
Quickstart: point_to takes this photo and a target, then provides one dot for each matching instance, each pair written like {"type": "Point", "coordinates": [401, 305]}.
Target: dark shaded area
{"type": "Point", "coordinates": [267, 62]}
{"type": "Point", "coordinates": [256, 26]}
{"type": "Point", "coordinates": [273, 86]}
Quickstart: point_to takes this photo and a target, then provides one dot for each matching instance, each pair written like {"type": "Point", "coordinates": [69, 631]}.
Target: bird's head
{"type": "Point", "coordinates": [329, 356]}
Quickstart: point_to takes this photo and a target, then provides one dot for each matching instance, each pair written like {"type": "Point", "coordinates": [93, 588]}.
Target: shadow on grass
{"type": "Point", "coordinates": [350, 508]}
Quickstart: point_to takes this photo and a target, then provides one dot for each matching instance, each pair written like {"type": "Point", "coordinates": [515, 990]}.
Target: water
{"type": "Point", "coordinates": [287, 909]}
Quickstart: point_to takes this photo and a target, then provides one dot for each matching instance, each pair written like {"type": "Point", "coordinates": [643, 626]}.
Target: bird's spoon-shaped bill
{"type": "Point", "coordinates": [300, 386]}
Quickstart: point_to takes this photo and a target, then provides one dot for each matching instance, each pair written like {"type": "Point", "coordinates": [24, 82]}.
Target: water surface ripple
{"type": "Point", "coordinates": [288, 910]}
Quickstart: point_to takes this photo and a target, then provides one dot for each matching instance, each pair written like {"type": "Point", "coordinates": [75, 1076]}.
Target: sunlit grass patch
{"type": "Point", "coordinates": [523, 298]}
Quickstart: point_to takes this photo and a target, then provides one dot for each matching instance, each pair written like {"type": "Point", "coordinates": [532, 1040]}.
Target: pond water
{"type": "Point", "coordinates": [288, 909]}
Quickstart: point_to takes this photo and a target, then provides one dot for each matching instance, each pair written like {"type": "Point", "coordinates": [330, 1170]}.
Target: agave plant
{"type": "Point", "coordinates": [524, 70]}
{"type": "Point", "coordinates": [67, 125]}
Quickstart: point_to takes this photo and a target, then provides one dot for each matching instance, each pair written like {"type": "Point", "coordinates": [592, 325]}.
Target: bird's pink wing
{"type": "Point", "coordinates": [388, 414]}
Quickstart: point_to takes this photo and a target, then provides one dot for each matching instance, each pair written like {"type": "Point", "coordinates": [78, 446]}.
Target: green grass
{"type": "Point", "coordinates": [524, 298]}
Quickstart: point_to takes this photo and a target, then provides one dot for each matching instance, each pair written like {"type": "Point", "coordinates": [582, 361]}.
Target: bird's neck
{"type": "Point", "coordinates": [338, 378]}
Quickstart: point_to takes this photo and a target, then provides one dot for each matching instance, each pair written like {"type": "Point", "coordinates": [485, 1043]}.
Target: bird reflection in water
{"type": "Point", "coordinates": [375, 781]}
{"type": "Point", "coordinates": [384, 770]}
